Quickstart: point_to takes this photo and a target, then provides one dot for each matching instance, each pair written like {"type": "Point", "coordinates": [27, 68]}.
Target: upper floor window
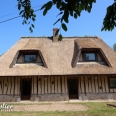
{"type": "Point", "coordinates": [89, 56]}
{"type": "Point", "coordinates": [30, 58]}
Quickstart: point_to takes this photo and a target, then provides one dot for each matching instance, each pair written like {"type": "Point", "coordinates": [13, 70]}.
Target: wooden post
{"type": "Point", "coordinates": [56, 84]}
{"type": "Point", "coordinates": [63, 89]}
{"type": "Point", "coordinates": [42, 85]}
{"type": "Point", "coordinates": [0, 85]}
{"type": "Point", "coordinates": [49, 85]}
{"type": "Point", "coordinates": [93, 84]}
{"type": "Point", "coordinates": [66, 91]}
{"type": "Point", "coordinates": [59, 85]}
{"type": "Point", "coordinates": [35, 85]}
{"type": "Point", "coordinates": [45, 80]}
{"type": "Point", "coordinates": [52, 83]}
{"type": "Point", "coordinates": [39, 85]}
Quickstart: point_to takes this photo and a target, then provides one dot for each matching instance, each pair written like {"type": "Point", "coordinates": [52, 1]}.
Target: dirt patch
{"type": "Point", "coordinates": [50, 107]}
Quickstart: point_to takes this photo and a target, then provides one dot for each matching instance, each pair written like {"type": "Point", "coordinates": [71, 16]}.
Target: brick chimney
{"type": "Point", "coordinates": [55, 38]}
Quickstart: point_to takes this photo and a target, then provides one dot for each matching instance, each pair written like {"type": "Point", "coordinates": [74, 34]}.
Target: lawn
{"type": "Point", "coordinates": [94, 109]}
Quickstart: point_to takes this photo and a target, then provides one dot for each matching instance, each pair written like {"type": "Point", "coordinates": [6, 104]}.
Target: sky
{"type": "Point", "coordinates": [88, 24]}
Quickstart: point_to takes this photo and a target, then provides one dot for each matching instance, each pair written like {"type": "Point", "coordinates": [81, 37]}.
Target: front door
{"type": "Point", "coordinates": [73, 88]}
{"type": "Point", "coordinates": [25, 88]}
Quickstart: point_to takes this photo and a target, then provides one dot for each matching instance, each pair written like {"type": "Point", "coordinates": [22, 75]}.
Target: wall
{"type": "Point", "coordinates": [9, 88]}
{"type": "Point", "coordinates": [54, 88]}
{"type": "Point", "coordinates": [49, 88]}
{"type": "Point", "coordinates": [44, 88]}
{"type": "Point", "coordinates": [95, 87]}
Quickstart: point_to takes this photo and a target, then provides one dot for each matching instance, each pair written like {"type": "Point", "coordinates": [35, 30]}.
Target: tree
{"type": "Point", "coordinates": [114, 47]}
{"type": "Point", "coordinates": [66, 8]}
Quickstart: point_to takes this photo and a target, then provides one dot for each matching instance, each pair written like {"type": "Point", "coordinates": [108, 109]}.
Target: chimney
{"type": "Point", "coordinates": [55, 38]}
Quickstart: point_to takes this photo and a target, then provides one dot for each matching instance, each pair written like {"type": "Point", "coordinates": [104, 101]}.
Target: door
{"type": "Point", "coordinates": [25, 88]}
{"type": "Point", "coordinates": [73, 88]}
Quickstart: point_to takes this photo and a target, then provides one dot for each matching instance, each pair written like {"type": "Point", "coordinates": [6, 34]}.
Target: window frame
{"type": "Point", "coordinates": [29, 54]}
{"type": "Point", "coordinates": [87, 52]}
{"type": "Point", "coordinates": [109, 83]}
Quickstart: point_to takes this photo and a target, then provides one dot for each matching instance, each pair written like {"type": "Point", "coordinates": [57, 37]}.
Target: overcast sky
{"type": "Point", "coordinates": [89, 24]}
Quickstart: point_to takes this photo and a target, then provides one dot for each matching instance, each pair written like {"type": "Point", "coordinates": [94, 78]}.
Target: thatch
{"type": "Point", "coordinates": [59, 57]}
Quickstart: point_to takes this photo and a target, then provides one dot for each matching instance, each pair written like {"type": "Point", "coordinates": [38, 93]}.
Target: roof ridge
{"type": "Point", "coordinates": [28, 37]}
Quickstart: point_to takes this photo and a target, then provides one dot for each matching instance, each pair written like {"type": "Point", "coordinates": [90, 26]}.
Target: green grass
{"type": "Point", "coordinates": [95, 109]}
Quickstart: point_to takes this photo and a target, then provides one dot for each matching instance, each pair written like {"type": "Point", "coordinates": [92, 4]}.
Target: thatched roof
{"type": "Point", "coordinates": [59, 57]}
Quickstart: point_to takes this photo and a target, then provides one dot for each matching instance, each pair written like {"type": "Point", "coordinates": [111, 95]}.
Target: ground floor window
{"type": "Point", "coordinates": [112, 82]}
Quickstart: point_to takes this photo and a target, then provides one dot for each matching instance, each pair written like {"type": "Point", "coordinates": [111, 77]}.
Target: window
{"type": "Point", "coordinates": [89, 56]}
{"type": "Point", "coordinates": [112, 82]}
{"type": "Point", "coordinates": [30, 58]}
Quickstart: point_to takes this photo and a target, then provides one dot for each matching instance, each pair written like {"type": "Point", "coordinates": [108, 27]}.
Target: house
{"type": "Point", "coordinates": [45, 69]}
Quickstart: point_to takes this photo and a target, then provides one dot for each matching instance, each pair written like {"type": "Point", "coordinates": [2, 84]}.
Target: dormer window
{"type": "Point", "coordinates": [30, 58]}
{"type": "Point", "coordinates": [89, 56]}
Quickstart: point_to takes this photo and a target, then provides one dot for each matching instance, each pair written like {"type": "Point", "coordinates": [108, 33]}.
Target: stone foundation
{"type": "Point", "coordinates": [8, 98]}
{"type": "Point", "coordinates": [50, 97]}
{"type": "Point", "coordinates": [97, 96]}
{"type": "Point", "coordinates": [61, 97]}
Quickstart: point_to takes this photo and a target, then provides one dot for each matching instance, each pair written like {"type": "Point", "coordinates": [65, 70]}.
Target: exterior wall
{"type": "Point", "coordinates": [55, 88]}
{"type": "Point", "coordinates": [9, 89]}
{"type": "Point", "coordinates": [44, 88]}
{"type": "Point", "coordinates": [95, 87]}
{"type": "Point", "coordinates": [49, 88]}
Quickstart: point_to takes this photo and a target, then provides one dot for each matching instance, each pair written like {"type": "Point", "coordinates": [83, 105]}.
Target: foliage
{"type": "Point", "coordinates": [110, 19]}
{"type": "Point", "coordinates": [66, 8]}
{"type": "Point", "coordinates": [27, 13]}
{"type": "Point", "coordinates": [114, 47]}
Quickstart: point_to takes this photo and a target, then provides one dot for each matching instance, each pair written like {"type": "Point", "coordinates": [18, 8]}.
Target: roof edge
{"type": "Point", "coordinates": [28, 37]}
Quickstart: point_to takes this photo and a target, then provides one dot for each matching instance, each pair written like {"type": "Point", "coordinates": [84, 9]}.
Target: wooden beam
{"type": "Point", "coordinates": [45, 83]}
{"type": "Point", "coordinates": [35, 85]}
{"type": "Point", "coordinates": [42, 85]}
{"type": "Point", "coordinates": [12, 88]}
{"type": "Point", "coordinates": [1, 85]}
{"type": "Point", "coordinates": [63, 85]}
{"type": "Point", "coordinates": [15, 86]}
{"type": "Point", "coordinates": [93, 84]}
{"type": "Point", "coordinates": [86, 84]}
{"type": "Point", "coordinates": [96, 84]}
{"type": "Point", "coordinates": [49, 85]}
{"type": "Point", "coordinates": [66, 91]}
{"type": "Point", "coordinates": [90, 86]}
{"type": "Point", "coordinates": [52, 83]}
{"type": "Point", "coordinates": [106, 84]}
{"type": "Point", "coordinates": [103, 83]}
{"type": "Point", "coordinates": [82, 84]}
{"type": "Point", "coordinates": [56, 84]}
{"type": "Point", "coordinates": [39, 85]}
{"type": "Point", "coordinates": [59, 85]}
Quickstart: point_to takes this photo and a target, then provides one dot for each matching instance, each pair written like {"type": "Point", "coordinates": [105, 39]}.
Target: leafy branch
{"type": "Point", "coordinates": [66, 9]}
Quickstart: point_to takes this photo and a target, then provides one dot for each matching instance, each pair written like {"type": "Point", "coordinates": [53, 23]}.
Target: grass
{"type": "Point", "coordinates": [95, 109]}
